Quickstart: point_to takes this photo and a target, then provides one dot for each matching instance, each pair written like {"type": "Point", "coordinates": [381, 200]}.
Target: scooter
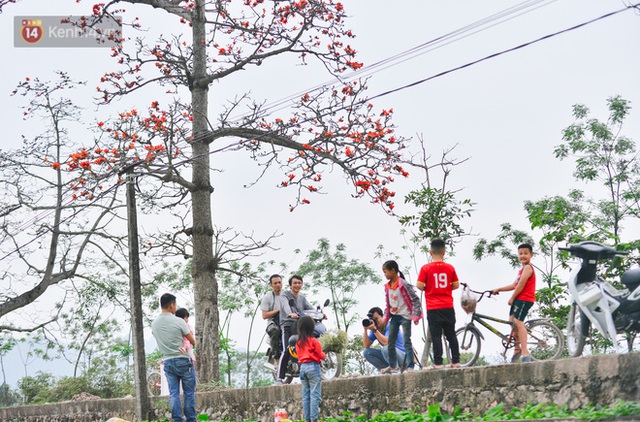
{"type": "Point", "coordinates": [596, 302]}
{"type": "Point", "coordinates": [331, 366]}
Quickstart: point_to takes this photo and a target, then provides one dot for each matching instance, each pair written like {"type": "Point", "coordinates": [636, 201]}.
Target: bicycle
{"type": "Point", "coordinates": [544, 340]}
{"type": "Point", "coordinates": [154, 382]}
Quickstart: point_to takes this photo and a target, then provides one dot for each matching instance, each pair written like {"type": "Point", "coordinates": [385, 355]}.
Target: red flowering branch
{"type": "Point", "coordinates": [240, 37]}
{"type": "Point", "coordinates": [329, 129]}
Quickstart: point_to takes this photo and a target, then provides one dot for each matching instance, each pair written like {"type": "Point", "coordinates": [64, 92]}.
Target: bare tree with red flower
{"type": "Point", "coordinates": [333, 127]}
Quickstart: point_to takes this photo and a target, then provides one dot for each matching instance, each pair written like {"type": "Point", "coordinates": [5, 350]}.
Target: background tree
{"type": "Point", "coordinates": [324, 269]}
{"type": "Point", "coordinates": [439, 211]}
{"type": "Point", "coordinates": [213, 40]}
{"type": "Point", "coordinates": [47, 237]}
{"type": "Point", "coordinates": [601, 153]}
{"type": "Point", "coordinates": [88, 325]}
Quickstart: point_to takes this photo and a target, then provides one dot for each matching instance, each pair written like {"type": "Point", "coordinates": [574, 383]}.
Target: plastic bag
{"type": "Point", "coordinates": [468, 300]}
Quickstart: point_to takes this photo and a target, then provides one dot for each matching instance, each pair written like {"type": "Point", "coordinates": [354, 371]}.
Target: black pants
{"type": "Point", "coordinates": [284, 357]}
{"type": "Point", "coordinates": [443, 320]}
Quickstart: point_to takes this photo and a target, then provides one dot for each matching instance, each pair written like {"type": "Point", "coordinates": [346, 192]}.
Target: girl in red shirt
{"type": "Point", "coordinates": [310, 354]}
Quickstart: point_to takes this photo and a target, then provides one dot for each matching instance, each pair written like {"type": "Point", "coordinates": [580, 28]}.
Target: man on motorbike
{"type": "Point", "coordinates": [270, 307]}
{"type": "Point", "coordinates": [377, 329]}
{"type": "Point", "coordinates": [289, 314]}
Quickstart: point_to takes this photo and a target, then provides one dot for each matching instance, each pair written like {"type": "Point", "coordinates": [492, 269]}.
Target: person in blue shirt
{"type": "Point", "coordinates": [378, 331]}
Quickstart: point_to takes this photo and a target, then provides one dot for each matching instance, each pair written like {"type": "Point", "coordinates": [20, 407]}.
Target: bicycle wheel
{"type": "Point", "coordinates": [544, 340]}
{"type": "Point", "coordinates": [469, 339]}
{"type": "Point", "coordinates": [154, 383]}
{"type": "Point", "coordinates": [331, 366]}
{"type": "Point", "coordinates": [575, 339]}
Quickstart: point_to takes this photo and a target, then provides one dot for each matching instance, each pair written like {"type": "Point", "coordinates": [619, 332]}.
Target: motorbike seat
{"type": "Point", "coordinates": [631, 279]}
{"type": "Point", "coordinates": [591, 251]}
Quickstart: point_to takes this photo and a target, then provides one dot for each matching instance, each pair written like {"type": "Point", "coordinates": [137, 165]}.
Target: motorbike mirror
{"type": "Point", "coordinates": [292, 303]}
{"type": "Point", "coordinates": [326, 303]}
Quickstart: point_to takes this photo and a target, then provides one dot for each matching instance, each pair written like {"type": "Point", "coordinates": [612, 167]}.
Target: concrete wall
{"type": "Point", "coordinates": [571, 382]}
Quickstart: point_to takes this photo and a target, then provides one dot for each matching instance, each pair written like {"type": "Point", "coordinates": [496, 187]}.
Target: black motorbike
{"type": "Point", "coordinates": [331, 366]}
{"type": "Point", "coordinates": [596, 302]}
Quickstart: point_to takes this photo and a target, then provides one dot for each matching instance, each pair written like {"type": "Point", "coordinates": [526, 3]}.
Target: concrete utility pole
{"type": "Point", "coordinates": [139, 357]}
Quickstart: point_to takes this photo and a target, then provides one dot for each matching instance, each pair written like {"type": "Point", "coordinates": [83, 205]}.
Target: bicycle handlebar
{"type": "Point", "coordinates": [489, 293]}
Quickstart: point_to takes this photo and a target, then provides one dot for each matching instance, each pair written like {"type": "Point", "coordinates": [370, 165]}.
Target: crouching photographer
{"type": "Point", "coordinates": [377, 329]}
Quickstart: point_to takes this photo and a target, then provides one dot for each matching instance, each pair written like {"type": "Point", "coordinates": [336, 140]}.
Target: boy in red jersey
{"type": "Point", "coordinates": [438, 279]}
{"type": "Point", "coordinates": [522, 299]}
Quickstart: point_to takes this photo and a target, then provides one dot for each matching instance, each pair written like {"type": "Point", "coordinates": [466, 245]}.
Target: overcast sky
{"type": "Point", "coordinates": [505, 114]}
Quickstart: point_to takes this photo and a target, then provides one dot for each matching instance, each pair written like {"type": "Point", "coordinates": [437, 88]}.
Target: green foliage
{"type": "Point", "coordinates": [504, 245]}
{"type": "Point", "coordinates": [340, 275]}
{"type": "Point", "coordinates": [67, 387]}
{"type": "Point", "coordinates": [334, 341]}
{"type": "Point", "coordinates": [36, 389]}
{"type": "Point", "coordinates": [498, 413]}
{"type": "Point", "coordinates": [239, 372]}
{"type": "Point", "coordinates": [439, 216]}
{"type": "Point", "coordinates": [104, 378]}
{"type": "Point", "coordinates": [354, 361]}
{"type": "Point", "coordinates": [9, 397]}
{"type": "Point", "coordinates": [541, 411]}
{"type": "Point", "coordinates": [602, 154]}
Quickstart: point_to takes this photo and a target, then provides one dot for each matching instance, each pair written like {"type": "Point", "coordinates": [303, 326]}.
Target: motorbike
{"type": "Point", "coordinates": [596, 302]}
{"type": "Point", "coordinates": [331, 366]}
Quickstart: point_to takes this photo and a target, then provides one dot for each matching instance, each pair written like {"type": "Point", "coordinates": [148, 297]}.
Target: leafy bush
{"type": "Point", "coordinates": [36, 389]}
{"type": "Point", "coordinates": [334, 341]}
{"type": "Point", "coordinates": [67, 387]}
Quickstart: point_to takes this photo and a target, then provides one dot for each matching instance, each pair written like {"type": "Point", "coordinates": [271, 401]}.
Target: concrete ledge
{"type": "Point", "coordinates": [570, 382]}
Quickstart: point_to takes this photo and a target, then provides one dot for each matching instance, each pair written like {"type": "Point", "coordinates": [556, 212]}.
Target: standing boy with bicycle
{"type": "Point", "coordinates": [438, 279]}
{"type": "Point", "coordinates": [522, 299]}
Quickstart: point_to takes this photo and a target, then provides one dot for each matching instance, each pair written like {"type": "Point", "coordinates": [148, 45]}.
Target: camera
{"type": "Point", "coordinates": [368, 321]}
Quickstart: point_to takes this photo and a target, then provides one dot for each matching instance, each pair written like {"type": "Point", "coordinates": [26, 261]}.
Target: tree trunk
{"type": "Point", "coordinates": [205, 286]}
{"type": "Point", "coordinates": [137, 325]}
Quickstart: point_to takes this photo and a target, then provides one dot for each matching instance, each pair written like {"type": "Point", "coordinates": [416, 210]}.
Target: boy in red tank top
{"type": "Point", "coordinates": [438, 279]}
{"type": "Point", "coordinates": [522, 299]}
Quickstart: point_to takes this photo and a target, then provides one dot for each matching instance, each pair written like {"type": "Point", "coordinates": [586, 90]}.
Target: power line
{"type": "Point", "coordinates": [401, 88]}
{"type": "Point", "coordinates": [500, 53]}
{"type": "Point", "coordinates": [451, 70]}
{"type": "Point", "coordinates": [423, 48]}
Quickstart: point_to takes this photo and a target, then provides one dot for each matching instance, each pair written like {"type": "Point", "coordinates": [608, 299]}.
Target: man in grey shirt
{"type": "Point", "coordinates": [270, 307]}
{"type": "Point", "coordinates": [168, 331]}
{"type": "Point", "coordinates": [289, 317]}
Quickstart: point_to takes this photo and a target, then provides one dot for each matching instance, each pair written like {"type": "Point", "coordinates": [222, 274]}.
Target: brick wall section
{"type": "Point", "coordinates": [571, 382]}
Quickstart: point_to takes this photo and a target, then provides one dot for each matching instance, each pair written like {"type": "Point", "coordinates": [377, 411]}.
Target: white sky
{"type": "Point", "coordinates": [506, 114]}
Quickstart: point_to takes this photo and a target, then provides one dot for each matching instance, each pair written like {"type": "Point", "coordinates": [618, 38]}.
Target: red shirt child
{"type": "Point", "coordinates": [438, 278]}
{"type": "Point", "coordinates": [310, 351]}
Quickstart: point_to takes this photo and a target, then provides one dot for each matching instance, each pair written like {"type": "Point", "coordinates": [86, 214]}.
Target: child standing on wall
{"type": "Point", "coordinates": [522, 299]}
{"type": "Point", "coordinates": [438, 279]}
{"type": "Point", "coordinates": [310, 355]}
{"type": "Point", "coordinates": [402, 306]}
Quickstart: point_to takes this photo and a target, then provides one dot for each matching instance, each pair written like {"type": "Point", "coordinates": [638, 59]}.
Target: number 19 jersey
{"type": "Point", "coordinates": [438, 278]}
